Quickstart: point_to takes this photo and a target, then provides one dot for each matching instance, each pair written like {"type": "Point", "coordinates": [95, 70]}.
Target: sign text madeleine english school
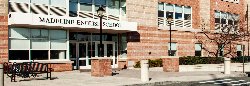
{"type": "Point", "coordinates": [79, 22]}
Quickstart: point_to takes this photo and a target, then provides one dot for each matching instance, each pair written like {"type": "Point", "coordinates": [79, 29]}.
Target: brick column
{"type": "Point", "coordinates": [170, 64]}
{"type": "Point", "coordinates": [122, 64]}
{"type": "Point", "coordinates": [3, 31]}
{"type": "Point", "coordinates": [101, 66]}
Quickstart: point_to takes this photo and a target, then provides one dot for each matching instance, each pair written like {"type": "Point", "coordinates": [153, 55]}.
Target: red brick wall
{"type": "Point", "coordinates": [170, 64]}
{"type": "Point", "coordinates": [3, 31]}
{"type": "Point", "coordinates": [101, 67]}
{"type": "Point", "coordinates": [227, 7]}
{"type": "Point", "coordinates": [60, 67]}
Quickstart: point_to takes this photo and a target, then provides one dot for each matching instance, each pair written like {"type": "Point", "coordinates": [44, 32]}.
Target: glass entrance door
{"type": "Point", "coordinates": [78, 54]}
{"type": "Point", "coordinates": [109, 51]}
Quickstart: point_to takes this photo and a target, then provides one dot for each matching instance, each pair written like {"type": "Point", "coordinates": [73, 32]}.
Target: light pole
{"type": "Point", "coordinates": [169, 19]}
{"type": "Point", "coordinates": [100, 12]}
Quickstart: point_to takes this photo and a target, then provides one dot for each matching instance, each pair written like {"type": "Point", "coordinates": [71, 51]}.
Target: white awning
{"type": "Point", "coordinates": [67, 22]}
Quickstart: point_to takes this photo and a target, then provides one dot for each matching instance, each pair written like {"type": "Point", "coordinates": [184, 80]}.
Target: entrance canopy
{"type": "Point", "coordinates": [69, 22]}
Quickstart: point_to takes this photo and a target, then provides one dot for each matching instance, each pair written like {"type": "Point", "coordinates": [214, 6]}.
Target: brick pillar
{"type": "Point", "coordinates": [3, 31]}
{"type": "Point", "coordinates": [122, 64]}
{"type": "Point", "coordinates": [101, 67]}
{"type": "Point", "coordinates": [170, 64]}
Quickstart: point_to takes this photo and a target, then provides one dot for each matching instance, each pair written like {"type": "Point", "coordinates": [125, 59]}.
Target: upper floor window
{"type": "Point", "coordinates": [86, 5]}
{"type": "Point", "coordinates": [182, 15]}
{"type": "Point", "coordinates": [223, 19]}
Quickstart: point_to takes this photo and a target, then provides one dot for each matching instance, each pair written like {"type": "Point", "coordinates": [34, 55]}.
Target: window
{"type": "Point", "coordinates": [113, 7]}
{"type": "Point", "coordinates": [226, 19]}
{"type": "Point", "coordinates": [59, 3]}
{"type": "Point", "coordinates": [182, 15]}
{"type": "Point", "coordinates": [239, 50]}
{"type": "Point", "coordinates": [73, 8]}
{"type": "Point", "coordinates": [99, 3]}
{"type": "Point", "coordinates": [58, 54]}
{"type": "Point", "coordinates": [37, 44]}
{"type": "Point", "coordinates": [123, 7]}
{"type": "Point", "coordinates": [40, 2]}
{"type": "Point", "coordinates": [169, 10]}
{"type": "Point", "coordinates": [198, 48]}
{"type": "Point", "coordinates": [20, 1]}
{"type": "Point", "coordinates": [187, 13]}
{"type": "Point", "coordinates": [19, 55]}
{"type": "Point", "coordinates": [160, 10]}
{"type": "Point", "coordinates": [173, 50]}
{"type": "Point", "coordinates": [39, 54]}
{"type": "Point", "coordinates": [86, 5]}
{"type": "Point", "coordinates": [123, 49]}
{"type": "Point", "coordinates": [221, 50]}
{"type": "Point", "coordinates": [178, 12]}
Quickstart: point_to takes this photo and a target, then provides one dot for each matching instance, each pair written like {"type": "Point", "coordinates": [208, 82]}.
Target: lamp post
{"type": "Point", "coordinates": [100, 12]}
{"type": "Point", "coordinates": [169, 19]}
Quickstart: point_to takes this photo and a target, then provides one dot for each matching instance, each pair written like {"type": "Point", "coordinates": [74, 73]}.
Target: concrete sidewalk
{"type": "Point", "coordinates": [122, 77]}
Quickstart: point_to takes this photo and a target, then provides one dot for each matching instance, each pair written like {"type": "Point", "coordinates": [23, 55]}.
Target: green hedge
{"type": "Point", "coordinates": [193, 60]}
{"type": "Point", "coordinates": [240, 59]}
{"type": "Point", "coordinates": [152, 63]}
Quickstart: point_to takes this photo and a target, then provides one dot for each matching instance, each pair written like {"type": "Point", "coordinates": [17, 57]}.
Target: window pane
{"type": "Point", "coordinates": [100, 2]}
{"type": "Point", "coordinates": [217, 20]}
{"type": "Point", "coordinates": [113, 7]}
{"type": "Point", "coordinates": [187, 10]}
{"type": "Point", "coordinates": [73, 6]}
{"type": "Point", "coordinates": [198, 47]}
{"type": "Point", "coordinates": [38, 33]}
{"type": "Point", "coordinates": [239, 48]}
{"type": "Point", "coordinates": [59, 44]}
{"type": "Point", "coordinates": [187, 16]}
{"type": "Point", "coordinates": [22, 1]}
{"type": "Point", "coordinates": [85, 1]}
{"type": "Point", "coordinates": [39, 54]}
{"type": "Point", "coordinates": [217, 14]}
{"type": "Point", "coordinates": [239, 53]}
{"type": "Point", "coordinates": [160, 13]}
{"type": "Point", "coordinates": [173, 46]}
{"type": "Point", "coordinates": [161, 6]}
{"type": "Point", "coordinates": [19, 44]}
{"type": "Point", "coordinates": [224, 15]}
{"type": "Point", "coordinates": [169, 14]}
{"type": "Point", "coordinates": [123, 6]}
{"type": "Point", "coordinates": [178, 9]}
{"type": "Point", "coordinates": [178, 15]}
{"type": "Point", "coordinates": [58, 34]}
{"type": "Point", "coordinates": [223, 21]}
{"type": "Point", "coordinates": [58, 3]}
{"type": "Point", "coordinates": [46, 2]}
{"type": "Point", "coordinates": [197, 53]}
{"type": "Point", "coordinates": [18, 55]}
{"type": "Point", "coordinates": [169, 7]}
{"type": "Point", "coordinates": [39, 44]}
{"type": "Point", "coordinates": [57, 54]}
{"type": "Point", "coordinates": [86, 7]}
{"type": "Point", "coordinates": [172, 53]}
{"type": "Point", "coordinates": [19, 33]}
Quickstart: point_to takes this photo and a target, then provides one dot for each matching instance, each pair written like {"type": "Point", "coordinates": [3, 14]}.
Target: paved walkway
{"type": "Point", "coordinates": [123, 77]}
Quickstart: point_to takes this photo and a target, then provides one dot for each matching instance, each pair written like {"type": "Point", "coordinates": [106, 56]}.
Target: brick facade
{"type": "Point", "coordinates": [59, 67]}
{"type": "Point", "coordinates": [170, 64]}
{"type": "Point", "coordinates": [101, 67]}
{"type": "Point", "coordinates": [149, 39]}
{"type": "Point", "coordinates": [3, 31]}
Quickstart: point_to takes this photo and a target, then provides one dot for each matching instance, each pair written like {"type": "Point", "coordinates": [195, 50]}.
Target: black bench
{"type": "Point", "coordinates": [26, 70]}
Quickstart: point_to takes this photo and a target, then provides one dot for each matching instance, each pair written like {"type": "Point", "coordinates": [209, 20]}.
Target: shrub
{"type": "Point", "coordinates": [193, 60]}
{"type": "Point", "coordinates": [152, 63]}
{"type": "Point", "coordinates": [240, 59]}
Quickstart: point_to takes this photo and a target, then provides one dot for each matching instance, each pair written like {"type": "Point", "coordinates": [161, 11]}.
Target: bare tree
{"type": "Point", "coordinates": [221, 39]}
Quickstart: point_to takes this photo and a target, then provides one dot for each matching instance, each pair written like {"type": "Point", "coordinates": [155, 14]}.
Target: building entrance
{"type": "Point", "coordinates": [81, 52]}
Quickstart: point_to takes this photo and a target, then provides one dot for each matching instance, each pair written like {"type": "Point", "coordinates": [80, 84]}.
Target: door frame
{"type": "Point", "coordinates": [105, 43]}
{"type": "Point", "coordinates": [77, 58]}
